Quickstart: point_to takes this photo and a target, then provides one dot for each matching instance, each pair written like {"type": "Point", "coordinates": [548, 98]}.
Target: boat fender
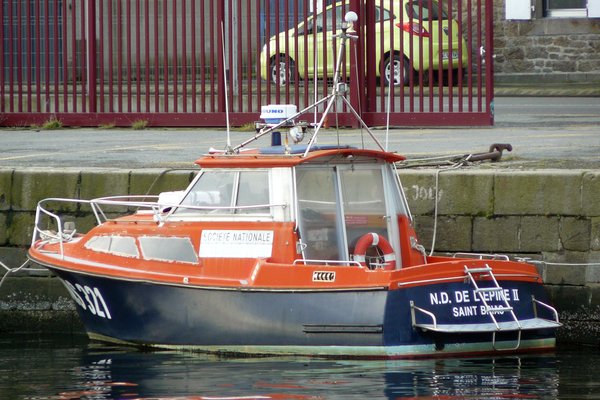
{"type": "Point", "coordinates": [373, 239]}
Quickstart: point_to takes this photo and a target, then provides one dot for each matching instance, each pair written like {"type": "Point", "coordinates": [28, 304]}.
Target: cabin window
{"type": "Point", "coordinates": [229, 192]}
{"type": "Point", "coordinates": [318, 213]}
{"type": "Point", "coordinates": [364, 203]}
{"type": "Point", "coordinates": [253, 190]}
{"type": "Point", "coordinates": [178, 249]}
{"type": "Point", "coordinates": [119, 245]}
{"type": "Point", "coordinates": [337, 205]}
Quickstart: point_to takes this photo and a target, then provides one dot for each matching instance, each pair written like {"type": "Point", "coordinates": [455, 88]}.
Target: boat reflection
{"type": "Point", "coordinates": [113, 373]}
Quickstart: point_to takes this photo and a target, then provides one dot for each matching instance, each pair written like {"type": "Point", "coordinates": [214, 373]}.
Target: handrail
{"type": "Point", "coordinates": [158, 210]}
{"type": "Point", "coordinates": [424, 311]}
{"type": "Point", "coordinates": [306, 260]}
{"type": "Point", "coordinates": [548, 306]}
{"type": "Point", "coordinates": [481, 256]}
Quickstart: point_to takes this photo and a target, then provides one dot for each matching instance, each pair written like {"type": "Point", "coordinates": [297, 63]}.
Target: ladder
{"type": "Point", "coordinates": [492, 310]}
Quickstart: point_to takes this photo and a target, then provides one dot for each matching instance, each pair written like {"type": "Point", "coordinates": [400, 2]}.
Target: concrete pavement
{"type": "Point", "coordinates": [545, 132]}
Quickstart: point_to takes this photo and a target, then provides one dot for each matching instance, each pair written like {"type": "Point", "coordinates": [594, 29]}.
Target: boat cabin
{"type": "Point", "coordinates": [332, 199]}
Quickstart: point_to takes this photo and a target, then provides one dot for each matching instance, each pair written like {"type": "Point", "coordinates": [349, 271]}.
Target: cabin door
{"type": "Point", "coordinates": [340, 204]}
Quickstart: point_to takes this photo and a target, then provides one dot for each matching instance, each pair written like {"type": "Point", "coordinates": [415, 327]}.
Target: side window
{"type": "Point", "coordinates": [118, 245]}
{"type": "Point", "coordinates": [168, 249]}
{"type": "Point", "coordinates": [253, 190]}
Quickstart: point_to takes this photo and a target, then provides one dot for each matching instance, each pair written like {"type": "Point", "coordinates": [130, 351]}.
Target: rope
{"type": "Point", "coordinates": [456, 165]}
{"type": "Point", "coordinates": [14, 270]}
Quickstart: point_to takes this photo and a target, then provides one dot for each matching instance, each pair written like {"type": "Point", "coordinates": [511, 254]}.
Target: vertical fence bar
{"type": "Point", "coordinates": [174, 61]}
{"type": "Point", "coordinates": [19, 59]}
{"type": "Point", "coordinates": [147, 47]}
{"type": "Point", "coordinates": [193, 52]}
{"type": "Point", "coordinates": [111, 103]}
{"type": "Point", "coordinates": [19, 56]}
{"type": "Point", "coordinates": [184, 72]}
{"type": "Point", "coordinates": [28, 38]}
{"type": "Point", "coordinates": [165, 58]}
{"type": "Point", "coordinates": [228, 46]}
{"type": "Point", "coordinates": [470, 54]}
{"type": "Point", "coordinates": [55, 55]}
{"type": "Point", "coordinates": [421, 55]}
{"type": "Point", "coordinates": [449, 72]}
{"type": "Point", "coordinates": [100, 56]}
{"type": "Point", "coordinates": [430, 76]}
{"type": "Point", "coordinates": [156, 59]}
{"type": "Point", "coordinates": [202, 59]}
{"type": "Point", "coordinates": [479, 58]}
{"type": "Point", "coordinates": [65, 63]}
{"type": "Point", "coordinates": [128, 52]}
{"type": "Point", "coordinates": [91, 55]}
{"type": "Point", "coordinates": [10, 58]}
{"type": "Point", "coordinates": [138, 50]}
{"type": "Point", "coordinates": [2, 66]}
{"type": "Point", "coordinates": [83, 70]}
{"type": "Point", "coordinates": [218, 30]}
{"type": "Point", "coordinates": [459, 82]}
{"type": "Point", "coordinates": [249, 58]}
{"type": "Point", "coordinates": [489, 61]}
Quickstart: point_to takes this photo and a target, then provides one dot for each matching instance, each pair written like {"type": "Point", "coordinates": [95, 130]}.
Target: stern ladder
{"type": "Point", "coordinates": [492, 310]}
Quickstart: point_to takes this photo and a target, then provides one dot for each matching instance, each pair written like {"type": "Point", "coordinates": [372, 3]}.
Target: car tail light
{"type": "Point", "coordinates": [414, 28]}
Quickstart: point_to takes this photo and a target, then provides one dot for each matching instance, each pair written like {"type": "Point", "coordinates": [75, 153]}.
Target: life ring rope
{"type": "Point", "coordinates": [373, 239]}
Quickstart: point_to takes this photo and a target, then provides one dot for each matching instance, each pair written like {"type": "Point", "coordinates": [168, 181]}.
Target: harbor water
{"type": "Point", "coordinates": [71, 367]}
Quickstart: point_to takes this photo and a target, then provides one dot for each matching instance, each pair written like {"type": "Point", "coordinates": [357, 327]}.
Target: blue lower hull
{"type": "Point", "coordinates": [346, 323]}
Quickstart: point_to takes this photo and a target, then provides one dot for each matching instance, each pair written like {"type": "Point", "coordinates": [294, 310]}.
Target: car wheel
{"type": "Point", "coordinates": [280, 72]}
{"type": "Point", "coordinates": [392, 67]}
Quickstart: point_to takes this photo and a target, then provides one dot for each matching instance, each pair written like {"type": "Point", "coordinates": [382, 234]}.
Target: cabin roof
{"type": "Point", "coordinates": [270, 157]}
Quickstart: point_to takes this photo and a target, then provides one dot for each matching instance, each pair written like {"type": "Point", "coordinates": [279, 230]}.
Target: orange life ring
{"type": "Point", "coordinates": [373, 239]}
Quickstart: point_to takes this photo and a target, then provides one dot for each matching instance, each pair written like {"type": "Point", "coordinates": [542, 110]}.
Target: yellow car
{"type": "Point", "coordinates": [282, 63]}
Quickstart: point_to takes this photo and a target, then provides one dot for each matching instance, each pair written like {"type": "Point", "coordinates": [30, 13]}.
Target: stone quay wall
{"type": "Point", "coordinates": [552, 216]}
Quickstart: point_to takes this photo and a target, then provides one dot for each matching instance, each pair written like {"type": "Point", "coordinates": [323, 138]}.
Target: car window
{"type": "Point", "coordinates": [420, 10]}
{"type": "Point", "coordinates": [378, 14]}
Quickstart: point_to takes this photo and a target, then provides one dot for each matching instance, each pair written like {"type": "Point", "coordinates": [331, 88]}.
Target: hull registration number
{"type": "Point", "coordinates": [89, 298]}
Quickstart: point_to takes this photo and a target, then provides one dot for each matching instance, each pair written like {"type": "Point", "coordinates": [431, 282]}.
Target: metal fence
{"type": "Point", "coordinates": [177, 63]}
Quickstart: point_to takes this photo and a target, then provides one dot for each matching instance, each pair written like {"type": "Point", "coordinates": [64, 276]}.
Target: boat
{"type": "Point", "coordinates": [280, 251]}
{"type": "Point", "coordinates": [288, 249]}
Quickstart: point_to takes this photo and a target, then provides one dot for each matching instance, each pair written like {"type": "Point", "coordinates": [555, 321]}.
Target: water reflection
{"type": "Point", "coordinates": [71, 368]}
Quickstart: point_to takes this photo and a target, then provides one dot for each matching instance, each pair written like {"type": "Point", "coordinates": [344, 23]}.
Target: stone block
{"type": "Point", "coordinates": [3, 229]}
{"type": "Point", "coordinates": [97, 183]}
{"type": "Point", "coordinates": [103, 182]}
{"type": "Point", "coordinates": [6, 178]}
{"type": "Point", "coordinates": [454, 234]}
{"type": "Point", "coordinates": [556, 192]}
{"type": "Point", "coordinates": [565, 274]}
{"type": "Point", "coordinates": [539, 233]}
{"type": "Point", "coordinates": [424, 229]}
{"type": "Point", "coordinates": [590, 194]}
{"type": "Point", "coordinates": [156, 181]}
{"type": "Point", "coordinates": [500, 234]}
{"type": "Point", "coordinates": [570, 300]}
{"type": "Point", "coordinates": [592, 274]}
{"type": "Point", "coordinates": [20, 230]}
{"type": "Point", "coordinates": [575, 234]}
{"type": "Point", "coordinates": [595, 234]}
{"type": "Point", "coordinates": [466, 193]}
{"type": "Point", "coordinates": [419, 188]}
{"type": "Point", "coordinates": [32, 185]}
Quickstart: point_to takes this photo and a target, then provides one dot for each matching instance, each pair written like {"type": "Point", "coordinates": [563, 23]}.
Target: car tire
{"type": "Point", "coordinates": [401, 76]}
{"type": "Point", "coordinates": [282, 70]}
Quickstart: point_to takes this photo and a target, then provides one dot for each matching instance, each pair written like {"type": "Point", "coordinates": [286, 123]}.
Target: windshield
{"type": "Point", "coordinates": [228, 192]}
